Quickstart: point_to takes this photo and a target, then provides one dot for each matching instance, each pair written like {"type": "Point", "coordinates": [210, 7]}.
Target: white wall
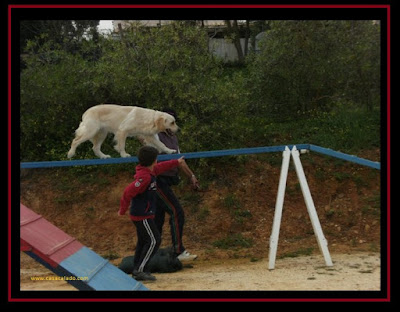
{"type": "Point", "coordinates": [224, 48]}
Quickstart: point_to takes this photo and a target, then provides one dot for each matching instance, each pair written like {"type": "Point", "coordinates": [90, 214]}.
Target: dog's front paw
{"type": "Point", "coordinates": [124, 154]}
{"type": "Point", "coordinates": [171, 151]}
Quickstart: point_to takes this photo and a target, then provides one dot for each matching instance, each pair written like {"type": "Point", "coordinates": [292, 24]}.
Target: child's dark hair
{"type": "Point", "coordinates": [147, 155]}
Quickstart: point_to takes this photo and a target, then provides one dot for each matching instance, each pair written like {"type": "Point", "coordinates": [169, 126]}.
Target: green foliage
{"type": "Point", "coordinates": [236, 240]}
{"type": "Point", "coordinates": [345, 129]}
{"type": "Point", "coordinates": [298, 253]}
{"type": "Point", "coordinates": [313, 65]}
{"type": "Point", "coordinates": [67, 33]}
{"type": "Point", "coordinates": [55, 90]}
{"type": "Point", "coordinates": [312, 82]}
{"type": "Point", "coordinates": [154, 68]}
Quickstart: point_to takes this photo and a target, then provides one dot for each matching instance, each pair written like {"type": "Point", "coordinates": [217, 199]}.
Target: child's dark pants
{"type": "Point", "coordinates": [149, 239]}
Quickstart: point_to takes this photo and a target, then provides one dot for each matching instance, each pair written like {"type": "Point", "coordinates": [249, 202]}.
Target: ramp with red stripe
{"type": "Point", "coordinates": [67, 257]}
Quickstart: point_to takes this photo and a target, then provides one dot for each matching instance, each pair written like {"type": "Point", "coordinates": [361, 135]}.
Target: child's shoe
{"type": "Point", "coordinates": [143, 276]}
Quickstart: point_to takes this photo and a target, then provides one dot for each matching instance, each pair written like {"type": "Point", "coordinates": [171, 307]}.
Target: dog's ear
{"type": "Point", "coordinates": [160, 123]}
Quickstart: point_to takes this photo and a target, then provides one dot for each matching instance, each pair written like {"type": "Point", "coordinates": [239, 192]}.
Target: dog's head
{"type": "Point", "coordinates": [166, 123]}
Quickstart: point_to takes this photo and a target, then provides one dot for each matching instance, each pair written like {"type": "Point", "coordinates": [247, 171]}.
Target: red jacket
{"type": "Point", "coordinates": [140, 194]}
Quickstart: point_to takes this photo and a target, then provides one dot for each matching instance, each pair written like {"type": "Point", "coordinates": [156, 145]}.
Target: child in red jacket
{"type": "Point", "coordinates": [140, 196]}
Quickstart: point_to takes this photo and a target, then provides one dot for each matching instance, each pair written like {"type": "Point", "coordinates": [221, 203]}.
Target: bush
{"type": "Point", "coordinates": [153, 68]}
{"type": "Point", "coordinates": [312, 82]}
{"type": "Point", "coordinates": [55, 90]}
{"type": "Point", "coordinates": [311, 65]}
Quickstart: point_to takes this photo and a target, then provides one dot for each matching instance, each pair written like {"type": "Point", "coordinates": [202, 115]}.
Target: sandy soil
{"type": "Point", "coordinates": [355, 271]}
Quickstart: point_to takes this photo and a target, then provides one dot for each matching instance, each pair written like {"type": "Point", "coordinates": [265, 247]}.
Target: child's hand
{"type": "Point", "coordinates": [181, 160]}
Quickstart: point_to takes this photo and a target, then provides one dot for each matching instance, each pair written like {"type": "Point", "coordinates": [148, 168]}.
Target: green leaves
{"type": "Point", "coordinates": [303, 70]}
{"type": "Point", "coordinates": [307, 65]}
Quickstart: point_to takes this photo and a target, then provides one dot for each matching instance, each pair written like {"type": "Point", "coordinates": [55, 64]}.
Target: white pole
{"type": "Point", "coordinates": [322, 243]}
{"type": "Point", "coordinates": [273, 241]}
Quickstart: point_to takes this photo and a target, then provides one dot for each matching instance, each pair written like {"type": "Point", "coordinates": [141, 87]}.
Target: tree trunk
{"type": "Point", "coordinates": [234, 31]}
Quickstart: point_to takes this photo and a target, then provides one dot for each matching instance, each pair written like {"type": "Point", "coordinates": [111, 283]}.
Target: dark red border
{"type": "Point", "coordinates": [9, 156]}
{"type": "Point", "coordinates": [208, 6]}
{"type": "Point", "coordinates": [388, 168]}
{"type": "Point", "coordinates": [200, 6]}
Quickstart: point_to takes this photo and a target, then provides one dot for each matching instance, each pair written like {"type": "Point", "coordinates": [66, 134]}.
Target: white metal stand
{"type": "Point", "coordinates": [273, 241]}
{"type": "Point", "coordinates": [322, 242]}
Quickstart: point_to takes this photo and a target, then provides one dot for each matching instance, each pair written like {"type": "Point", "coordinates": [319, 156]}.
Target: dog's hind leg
{"type": "Point", "coordinates": [97, 141]}
{"type": "Point", "coordinates": [75, 143]}
{"type": "Point", "coordinates": [83, 133]}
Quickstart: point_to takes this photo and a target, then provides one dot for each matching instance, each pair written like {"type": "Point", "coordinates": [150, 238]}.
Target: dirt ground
{"type": "Point", "coordinates": [359, 271]}
{"type": "Point", "coordinates": [350, 272]}
{"type": "Point", "coordinates": [228, 224]}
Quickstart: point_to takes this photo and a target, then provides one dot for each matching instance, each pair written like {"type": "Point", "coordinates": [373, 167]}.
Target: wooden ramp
{"type": "Point", "coordinates": [67, 257]}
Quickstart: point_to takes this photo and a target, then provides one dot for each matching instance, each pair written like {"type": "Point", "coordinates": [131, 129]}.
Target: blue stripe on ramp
{"type": "Point", "coordinates": [97, 273]}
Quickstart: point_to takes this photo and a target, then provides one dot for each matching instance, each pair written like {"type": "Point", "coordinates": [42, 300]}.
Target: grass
{"type": "Point", "coordinates": [111, 255]}
{"type": "Point", "coordinates": [234, 206]}
{"type": "Point", "coordinates": [372, 206]}
{"type": "Point", "coordinates": [346, 129]}
{"type": "Point", "coordinates": [235, 240]}
{"type": "Point", "coordinates": [297, 253]}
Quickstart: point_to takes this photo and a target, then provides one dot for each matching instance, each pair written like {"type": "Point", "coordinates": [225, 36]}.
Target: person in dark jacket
{"type": "Point", "coordinates": [167, 202]}
{"type": "Point", "coordinates": [140, 196]}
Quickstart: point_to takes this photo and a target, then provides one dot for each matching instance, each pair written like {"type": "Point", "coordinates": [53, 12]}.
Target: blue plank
{"type": "Point", "coordinates": [205, 154]}
{"type": "Point", "coordinates": [77, 162]}
{"type": "Point", "coordinates": [121, 160]}
{"type": "Point", "coordinates": [111, 276]}
{"type": "Point", "coordinates": [97, 273]}
{"type": "Point", "coordinates": [232, 152]}
{"type": "Point", "coordinates": [60, 271]}
{"type": "Point", "coordinates": [347, 157]}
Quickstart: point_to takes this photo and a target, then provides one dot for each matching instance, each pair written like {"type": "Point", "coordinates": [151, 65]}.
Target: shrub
{"type": "Point", "coordinates": [153, 68]}
{"type": "Point", "coordinates": [311, 65]}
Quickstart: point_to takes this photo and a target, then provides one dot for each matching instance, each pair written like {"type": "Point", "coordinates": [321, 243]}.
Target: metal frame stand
{"type": "Point", "coordinates": [322, 242]}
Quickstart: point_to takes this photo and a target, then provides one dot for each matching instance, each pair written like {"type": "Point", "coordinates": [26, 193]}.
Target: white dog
{"type": "Point", "coordinates": [122, 121]}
